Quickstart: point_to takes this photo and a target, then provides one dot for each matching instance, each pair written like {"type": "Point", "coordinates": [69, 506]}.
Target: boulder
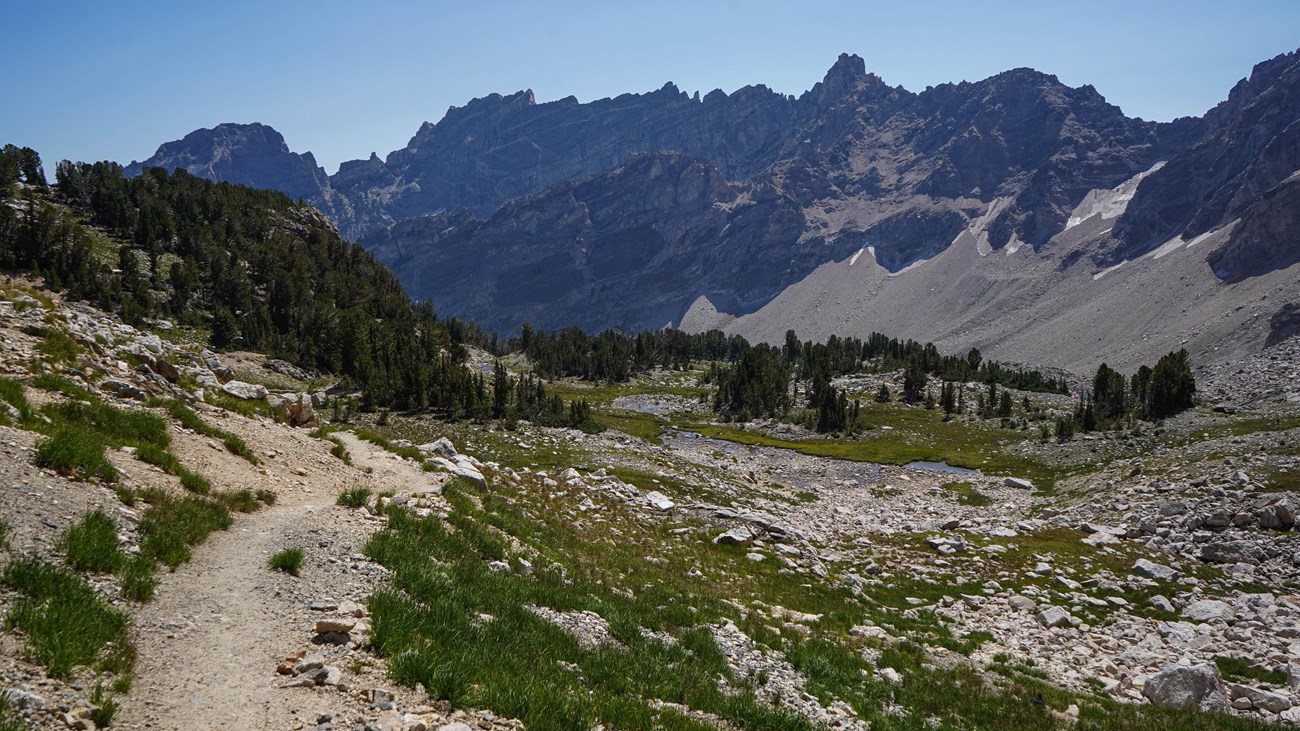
{"type": "Point", "coordinates": [341, 625]}
{"type": "Point", "coordinates": [1018, 483]}
{"type": "Point", "coordinates": [735, 537]}
{"type": "Point", "coordinates": [441, 446]}
{"type": "Point", "coordinates": [659, 501]}
{"type": "Point", "coordinates": [122, 389]}
{"type": "Point", "coordinates": [1153, 570]}
{"type": "Point", "coordinates": [1195, 687]}
{"type": "Point", "coordinates": [1276, 516]}
{"type": "Point", "coordinates": [215, 364]}
{"type": "Point", "coordinates": [1055, 617]}
{"type": "Point", "coordinates": [1208, 610]}
{"type": "Point", "coordinates": [296, 409]}
{"type": "Point", "coordinates": [243, 390]}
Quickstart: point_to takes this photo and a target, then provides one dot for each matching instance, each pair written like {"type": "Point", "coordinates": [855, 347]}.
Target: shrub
{"type": "Point", "coordinates": [91, 544]}
{"type": "Point", "coordinates": [354, 497]}
{"type": "Point", "coordinates": [289, 561]}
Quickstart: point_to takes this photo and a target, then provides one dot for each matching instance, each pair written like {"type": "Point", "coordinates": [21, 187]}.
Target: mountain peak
{"type": "Point", "coordinates": [847, 68]}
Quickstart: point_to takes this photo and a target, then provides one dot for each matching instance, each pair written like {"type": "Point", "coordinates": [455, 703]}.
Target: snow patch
{"type": "Point", "coordinates": [854, 259]}
{"type": "Point", "coordinates": [1014, 244]}
{"type": "Point", "coordinates": [978, 227]}
{"type": "Point", "coordinates": [1178, 242]}
{"type": "Point", "coordinates": [1108, 203]}
{"type": "Point", "coordinates": [1108, 270]}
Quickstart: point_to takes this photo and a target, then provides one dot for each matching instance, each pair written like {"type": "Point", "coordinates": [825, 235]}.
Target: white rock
{"type": "Point", "coordinates": [246, 391]}
{"type": "Point", "coordinates": [1207, 610]}
{"type": "Point", "coordinates": [660, 501]}
{"type": "Point", "coordinates": [1054, 617]}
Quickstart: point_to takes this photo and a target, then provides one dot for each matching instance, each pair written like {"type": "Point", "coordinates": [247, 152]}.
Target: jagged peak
{"type": "Point", "coordinates": [848, 67]}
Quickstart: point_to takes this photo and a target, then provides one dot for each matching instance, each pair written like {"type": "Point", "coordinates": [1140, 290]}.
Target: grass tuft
{"type": "Point", "coordinates": [75, 451]}
{"type": "Point", "coordinates": [91, 544]}
{"type": "Point", "coordinates": [170, 527]}
{"type": "Point", "coordinates": [354, 497]}
{"type": "Point", "coordinates": [289, 561]}
{"type": "Point", "coordinates": [66, 622]}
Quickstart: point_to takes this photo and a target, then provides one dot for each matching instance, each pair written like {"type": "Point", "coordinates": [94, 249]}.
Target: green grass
{"type": "Point", "coordinates": [136, 577]}
{"type": "Point", "coordinates": [58, 346]}
{"type": "Point", "coordinates": [195, 483]}
{"type": "Point", "coordinates": [239, 501]}
{"type": "Point", "coordinates": [917, 435]}
{"type": "Point", "coordinates": [289, 561]}
{"type": "Point", "coordinates": [62, 385]}
{"type": "Point", "coordinates": [426, 627]}
{"type": "Point", "coordinates": [966, 494]}
{"type": "Point", "coordinates": [77, 451]}
{"type": "Point", "coordinates": [354, 497]}
{"type": "Point", "coordinates": [117, 427]}
{"type": "Point", "coordinates": [632, 423]}
{"type": "Point", "coordinates": [15, 394]}
{"type": "Point", "coordinates": [10, 719]}
{"type": "Point", "coordinates": [264, 496]}
{"type": "Point", "coordinates": [1234, 668]}
{"type": "Point", "coordinates": [171, 526]}
{"type": "Point", "coordinates": [192, 421]}
{"type": "Point", "coordinates": [65, 623]}
{"type": "Point", "coordinates": [383, 443]}
{"type": "Point", "coordinates": [91, 544]}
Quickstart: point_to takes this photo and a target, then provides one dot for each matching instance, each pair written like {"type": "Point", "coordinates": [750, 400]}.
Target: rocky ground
{"type": "Point", "coordinates": [1157, 555]}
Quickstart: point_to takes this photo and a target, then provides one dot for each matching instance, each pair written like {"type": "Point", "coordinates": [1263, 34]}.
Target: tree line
{"type": "Point", "coordinates": [254, 268]}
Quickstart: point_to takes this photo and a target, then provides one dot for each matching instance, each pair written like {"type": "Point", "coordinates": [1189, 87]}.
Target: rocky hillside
{"type": "Point", "coordinates": [674, 571]}
{"type": "Point", "coordinates": [505, 202]}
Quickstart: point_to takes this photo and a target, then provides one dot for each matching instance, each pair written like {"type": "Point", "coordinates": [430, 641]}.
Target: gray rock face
{"type": "Point", "coordinates": [509, 211]}
{"type": "Point", "coordinates": [1239, 164]}
{"type": "Point", "coordinates": [248, 154]}
{"type": "Point", "coordinates": [1199, 686]}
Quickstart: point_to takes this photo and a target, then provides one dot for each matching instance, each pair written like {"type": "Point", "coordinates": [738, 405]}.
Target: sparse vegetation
{"type": "Point", "coordinates": [91, 544]}
{"type": "Point", "coordinates": [289, 561]}
{"type": "Point", "coordinates": [171, 526]}
{"type": "Point", "coordinates": [354, 497]}
{"type": "Point", "coordinates": [65, 622]}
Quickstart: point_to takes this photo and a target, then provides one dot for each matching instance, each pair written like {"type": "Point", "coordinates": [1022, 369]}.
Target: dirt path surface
{"type": "Point", "coordinates": [210, 641]}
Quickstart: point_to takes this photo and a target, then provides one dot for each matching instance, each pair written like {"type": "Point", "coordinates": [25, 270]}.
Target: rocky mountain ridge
{"type": "Point", "coordinates": [505, 187]}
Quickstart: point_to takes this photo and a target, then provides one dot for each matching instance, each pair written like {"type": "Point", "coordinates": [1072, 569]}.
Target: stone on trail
{"type": "Point", "coordinates": [335, 625]}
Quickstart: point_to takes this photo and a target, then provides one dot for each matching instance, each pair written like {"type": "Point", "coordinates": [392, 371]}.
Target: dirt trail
{"type": "Point", "coordinates": [210, 640]}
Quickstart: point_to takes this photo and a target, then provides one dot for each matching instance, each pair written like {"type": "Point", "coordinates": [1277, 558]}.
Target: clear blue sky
{"type": "Point", "coordinates": [112, 80]}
